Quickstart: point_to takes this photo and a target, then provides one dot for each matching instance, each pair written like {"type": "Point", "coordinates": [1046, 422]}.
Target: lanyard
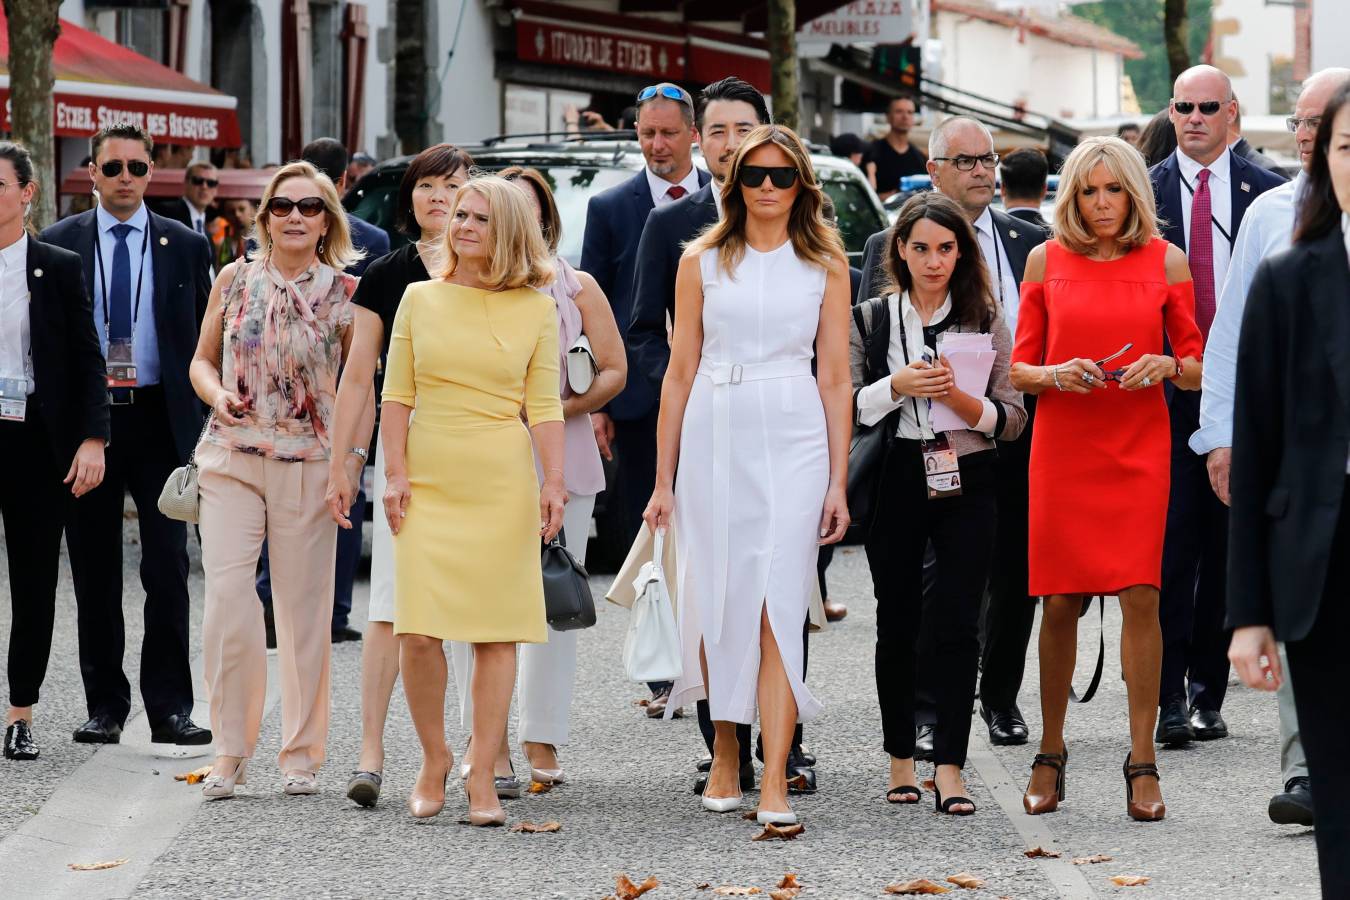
{"type": "Point", "coordinates": [103, 279]}
{"type": "Point", "coordinates": [998, 260]}
{"type": "Point", "coordinates": [929, 331]}
{"type": "Point", "coordinates": [1226, 236]}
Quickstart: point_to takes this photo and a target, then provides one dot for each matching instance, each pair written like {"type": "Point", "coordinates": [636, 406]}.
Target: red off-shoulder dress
{"type": "Point", "coordinates": [1100, 462]}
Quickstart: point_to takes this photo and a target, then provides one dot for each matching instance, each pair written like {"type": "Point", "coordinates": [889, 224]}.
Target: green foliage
{"type": "Point", "coordinates": [1142, 22]}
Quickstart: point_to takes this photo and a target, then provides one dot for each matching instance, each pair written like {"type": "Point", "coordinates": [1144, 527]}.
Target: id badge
{"type": "Point", "coordinates": [942, 469]}
{"type": "Point", "coordinates": [13, 399]}
{"type": "Point", "coordinates": [121, 364]}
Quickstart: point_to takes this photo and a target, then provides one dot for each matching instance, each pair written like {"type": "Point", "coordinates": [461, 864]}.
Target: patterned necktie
{"type": "Point", "coordinates": [1201, 254]}
{"type": "Point", "coordinates": [676, 192]}
{"type": "Point", "coordinates": [119, 292]}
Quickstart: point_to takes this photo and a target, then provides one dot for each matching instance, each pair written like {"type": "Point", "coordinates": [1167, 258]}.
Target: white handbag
{"type": "Point", "coordinates": [581, 367]}
{"type": "Point", "coordinates": [651, 652]}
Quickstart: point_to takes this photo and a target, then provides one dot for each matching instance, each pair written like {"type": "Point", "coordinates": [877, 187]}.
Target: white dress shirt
{"type": "Point", "coordinates": [996, 260]}
{"type": "Point", "coordinates": [875, 401]}
{"type": "Point", "coordinates": [1268, 227]}
{"type": "Point", "coordinates": [144, 334]}
{"type": "Point", "coordinates": [16, 345]}
{"type": "Point", "coordinates": [661, 188]}
{"type": "Point", "coordinates": [1220, 207]}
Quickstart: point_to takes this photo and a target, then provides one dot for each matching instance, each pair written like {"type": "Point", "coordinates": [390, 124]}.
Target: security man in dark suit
{"type": "Point", "coordinates": [201, 180]}
{"type": "Point", "coordinates": [53, 428]}
{"type": "Point", "coordinates": [149, 277]}
{"type": "Point", "coordinates": [962, 163]}
{"type": "Point", "coordinates": [1022, 180]}
{"type": "Point", "coordinates": [1202, 192]}
{"type": "Point", "coordinates": [609, 252]}
{"type": "Point", "coordinates": [1243, 148]}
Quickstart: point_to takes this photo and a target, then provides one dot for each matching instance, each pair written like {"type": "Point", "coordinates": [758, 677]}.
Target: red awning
{"type": "Point", "coordinates": [101, 83]}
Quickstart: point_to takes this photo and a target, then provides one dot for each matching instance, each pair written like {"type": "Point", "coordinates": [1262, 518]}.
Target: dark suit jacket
{"type": "Point", "coordinates": [1170, 194]}
{"type": "Point", "coordinates": [72, 386]}
{"type": "Point", "coordinates": [175, 208]}
{"type": "Point", "coordinates": [1291, 434]}
{"type": "Point", "coordinates": [370, 238]}
{"type": "Point", "coordinates": [1027, 214]}
{"type": "Point", "coordinates": [1245, 150]}
{"type": "Point", "coordinates": [1018, 237]}
{"type": "Point", "coordinates": [667, 230]}
{"type": "Point", "coordinates": [609, 252]}
{"type": "Point", "coordinates": [182, 266]}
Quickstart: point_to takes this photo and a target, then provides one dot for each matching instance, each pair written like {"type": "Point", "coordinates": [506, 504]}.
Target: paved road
{"type": "Point", "coordinates": [628, 807]}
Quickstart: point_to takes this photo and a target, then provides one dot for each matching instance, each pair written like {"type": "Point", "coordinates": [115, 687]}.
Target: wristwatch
{"type": "Point", "coordinates": [361, 452]}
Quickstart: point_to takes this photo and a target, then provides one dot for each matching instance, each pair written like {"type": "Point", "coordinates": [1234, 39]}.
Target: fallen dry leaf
{"type": "Point", "coordinates": [780, 832]}
{"type": "Point", "coordinates": [531, 828]}
{"type": "Point", "coordinates": [749, 815]}
{"type": "Point", "coordinates": [643, 702]}
{"type": "Point", "coordinates": [702, 886]}
{"type": "Point", "coordinates": [790, 881]}
{"type": "Point", "coordinates": [540, 787]}
{"type": "Point", "coordinates": [728, 890]}
{"type": "Point", "coordinates": [1130, 880]}
{"type": "Point", "coordinates": [624, 889]}
{"type": "Point", "coordinates": [784, 893]}
{"type": "Point", "coordinates": [966, 880]}
{"type": "Point", "coordinates": [1041, 853]}
{"type": "Point", "coordinates": [917, 886]}
{"type": "Point", "coordinates": [195, 776]}
{"type": "Point", "coordinates": [95, 867]}
{"type": "Point", "coordinates": [1091, 860]}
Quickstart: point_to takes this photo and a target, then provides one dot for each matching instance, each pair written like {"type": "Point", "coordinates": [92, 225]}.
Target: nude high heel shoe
{"type": "Point", "coordinates": [544, 776]}
{"type": "Point", "coordinates": [425, 807]}
{"type": "Point", "coordinates": [221, 787]}
{"type": "Point", "coordinates": [483, 817]}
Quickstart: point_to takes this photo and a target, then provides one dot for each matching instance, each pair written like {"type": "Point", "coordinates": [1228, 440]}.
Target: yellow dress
{"type": "Point", "coordinates": [467, 556]}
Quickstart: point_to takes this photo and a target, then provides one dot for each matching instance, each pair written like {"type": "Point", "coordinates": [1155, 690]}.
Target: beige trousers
{"type": "Point", "coordinates": [245, 498]}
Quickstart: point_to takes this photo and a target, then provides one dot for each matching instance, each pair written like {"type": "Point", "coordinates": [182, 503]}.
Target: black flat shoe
{"type": "Point", "coordinates": [1007, 727]}
{"type": "Point", "coordinates": [905, 794]}
{"type": "Point", "coordinates": [945, 806]}
{"type": "Point", "coordinates": [1174, 723]}
{"type": "Point", "coordinates": [1293, 807]}
{"type": "Point", "coordinates": [363, 788]}
{"type": "Point", "coordinates": [100, 729]}
{"type": "Point", "coordinates": [19, 743]}
{"type": "Point", "coordinates": [923, 743]}
{"type": "Point", "coordinates": [1208, 725]}
{"type": "Point", "coordinates": [179, 729]}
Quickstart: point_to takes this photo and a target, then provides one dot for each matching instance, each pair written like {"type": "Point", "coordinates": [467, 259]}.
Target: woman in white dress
{"type": "Point", "coordinates": [762, 452]}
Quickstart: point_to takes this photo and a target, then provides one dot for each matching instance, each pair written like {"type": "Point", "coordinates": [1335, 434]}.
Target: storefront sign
{"type": "Point", "coordinates": [79, 116]}
{"type": "Point", "coordinates": [869, 21]}
{"type": "Point", "coordinates": [594, 48]}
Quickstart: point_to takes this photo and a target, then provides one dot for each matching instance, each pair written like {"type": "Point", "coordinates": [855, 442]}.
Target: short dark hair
{"type": "Point", "coordinates": [18, 155]}
{"type": "Point", "coordinates": [847, 144]}
{"type": "Point", "coordinates": [436, 161]}
{"type": "Point", "coordinates": [1023, 173]}
{"type": "Point", "coordinates": [1320, 212]}
{"type": "Point", "coordinates": [1126, 126]}
{"type": "Point", "coordinates": [328, 156]}
{"type": "Point", "coordinates": [903, 95]}
{"type": "Point", "coordinates": [124, 131]}
{"type": "Point", "coordinates": [733, 88]}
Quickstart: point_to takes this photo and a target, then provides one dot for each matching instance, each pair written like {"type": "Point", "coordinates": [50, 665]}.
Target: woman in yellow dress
{"type": "Point", "coordinates": [475, 351]}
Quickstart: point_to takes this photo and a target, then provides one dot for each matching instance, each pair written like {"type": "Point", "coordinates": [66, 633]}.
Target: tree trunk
{"type": "Point", "coordinates": [33, 28]}
{"type": "Point", "coordinates": [782, 35]}
{"type": "Point", "coordinates": [1176, 37]}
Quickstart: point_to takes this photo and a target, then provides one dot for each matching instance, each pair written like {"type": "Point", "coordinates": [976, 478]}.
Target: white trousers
{"type": "Point", "coordinates": [547, 671]}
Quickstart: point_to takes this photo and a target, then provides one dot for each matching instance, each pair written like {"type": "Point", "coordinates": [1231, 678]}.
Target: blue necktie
{"type": "Point", "coordinates": [119, 292]}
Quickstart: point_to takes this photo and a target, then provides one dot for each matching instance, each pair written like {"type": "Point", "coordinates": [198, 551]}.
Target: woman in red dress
{"type": "Point", "coordinates": [1096, 303]}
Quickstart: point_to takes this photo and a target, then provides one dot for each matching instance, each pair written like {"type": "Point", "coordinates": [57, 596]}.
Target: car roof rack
{"type": "Point", "coordinates": [565, 136]}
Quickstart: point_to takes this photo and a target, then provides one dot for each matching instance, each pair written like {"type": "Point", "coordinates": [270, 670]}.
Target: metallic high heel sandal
{"type": "Point", "coordinates": [1140, 810]}
{"type": "Point", "coordinates": [483, 818]}
{"type": "Point", "coordinates": [425, 808]}
{"type": "Point", "coordinates": [221, 787]}
{"type": "Point", "coordinates": [1035, 804]}
{"type": "Point", "coordinates": [544, 776]}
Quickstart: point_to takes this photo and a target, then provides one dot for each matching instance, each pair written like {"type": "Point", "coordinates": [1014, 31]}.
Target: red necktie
{"type": "Point", "coordinates": [676, 192]}
{"type": "Point", "coordinates": [1202, 254]}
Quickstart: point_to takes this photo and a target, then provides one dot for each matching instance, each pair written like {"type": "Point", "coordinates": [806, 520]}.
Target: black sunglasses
{"type": "Point", "coordinates": [781, 176]}
{"type": "Point", "coordinates": [1207, 107]}
{"type": "Point", "coordinates": [1116, 375]}
{"type": "Point", "coordinates": [669, 91]}
{"type": "Point", "coordinates": [199, 181]}
{"type": "Point", "coordinates": [113, 167]}
{"type": "Point", "coordinates": [309, 207]}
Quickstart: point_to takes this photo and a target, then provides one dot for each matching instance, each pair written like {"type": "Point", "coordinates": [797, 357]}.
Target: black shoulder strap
{"type": "Point", "coordinates": [1101, 653]}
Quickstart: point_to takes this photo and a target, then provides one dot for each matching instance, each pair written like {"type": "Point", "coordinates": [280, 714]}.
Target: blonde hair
{"type": "Point", "coordinates": [1126, 166]}
{"type": "Point", "coordinates": [518, 256]}
{"type": "Point", "coordinates": [335, 248]}
{"type": "Point", "coordinates": [813, 238]}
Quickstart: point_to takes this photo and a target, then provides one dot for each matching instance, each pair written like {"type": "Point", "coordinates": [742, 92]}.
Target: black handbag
{"type": "Point", "coordinates": [568, 603]}
{"type": "Point", "coordinates": [867, 449]}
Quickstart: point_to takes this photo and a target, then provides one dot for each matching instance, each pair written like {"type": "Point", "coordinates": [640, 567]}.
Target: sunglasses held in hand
{"type": "Point", "coordinates": [281, 206]}
{"type": "Point", "coordinates": [1115, 375]}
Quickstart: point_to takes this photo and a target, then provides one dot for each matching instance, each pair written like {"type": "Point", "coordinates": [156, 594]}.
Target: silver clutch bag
{"type": "Point", "coordinates": [178, 500]}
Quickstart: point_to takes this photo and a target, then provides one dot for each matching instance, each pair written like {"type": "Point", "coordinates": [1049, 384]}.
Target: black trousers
{"type": "Point", "coordinates": [705, 724]}
{"type": "Point", "coordinates": [1010, 613]}
{"type": "Point", "coordinates": [1194, 573]}
{"type": "Point", "coordinates": [961, 531]}
{"type": "Point", "coordinates": [1320, 667]}
{"type": "Point", "coordinates": [139, 459]}
{"type": "Point", "coordinates": [34, 504]}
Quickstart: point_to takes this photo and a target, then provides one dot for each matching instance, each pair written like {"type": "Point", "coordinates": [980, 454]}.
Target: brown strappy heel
{"type": "Point", "coordinates": [1139, 810]}
{"type": "Point", "coordinates": [1036, 805]}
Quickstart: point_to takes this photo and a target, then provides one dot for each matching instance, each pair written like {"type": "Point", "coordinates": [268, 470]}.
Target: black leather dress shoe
{"type": "Point", "coordinates": [1006, 726]}
{"type": "Point", "coordinates": [808, 759]}
{"type": "Point", "coordinates": [100, 729]}
{"type": "Point", "coordinates": [1293, 807]}
{"type": "Point", "coordinates": [269, 628]}
{"type": "Point", "coordinates": [705, 764]}
{"type": "Point", "coordinates": [345, 634]}
{"type": "Point", "coordinates": [179, 729]}
{"type": "Point", "coordinates": [1208, 725]}
{"type": "Point", "coordinates": [801, 778]}
{"type": "Point", "coordinates": [747, 779]}
{"type": "Point", "coordinates": [19, 743]}
{"type": "Point", "coordinates": [1174, 723]}
{"type": "Point", "coordinates": [923, 743]}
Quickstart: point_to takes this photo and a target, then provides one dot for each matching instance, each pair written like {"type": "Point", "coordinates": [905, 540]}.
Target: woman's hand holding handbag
{"type": "Point", "coordinates": [651, 651]}
{"type": "Point", "coordinates": [568, 603]}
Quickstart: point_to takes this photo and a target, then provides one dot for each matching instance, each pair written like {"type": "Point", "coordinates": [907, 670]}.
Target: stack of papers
{"type": "Point", "coordinates": [971, 356]}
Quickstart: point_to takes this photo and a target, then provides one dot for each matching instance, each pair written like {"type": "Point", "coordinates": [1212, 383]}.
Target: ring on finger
{"type": "Point", "coordinates": [1088, 378]}
{"type": "Point", "coordinates": [1148, 382]}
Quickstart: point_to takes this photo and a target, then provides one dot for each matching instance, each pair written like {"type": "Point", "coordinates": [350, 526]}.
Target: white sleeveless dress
{"type": "Point", "coordinates": [751, 482]}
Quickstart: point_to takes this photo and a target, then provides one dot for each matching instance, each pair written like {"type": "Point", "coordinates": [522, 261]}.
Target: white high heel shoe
{"type": "Point", "coordinates": [221, 787]}
{"type": "Point", "coordinates": [768, 817]}
{"type": "Point", "coordinates": [722, 804]}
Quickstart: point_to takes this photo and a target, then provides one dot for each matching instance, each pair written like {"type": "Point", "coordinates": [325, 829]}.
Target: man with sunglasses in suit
{"type": "Point", "coordinates": [200, 183]}
{"type": "Point", "coordinates": [614, 222]}
{"type": "Point", "coordinates": [149, 278]}
{"type": "Point", "coordinates": [1203, 191]}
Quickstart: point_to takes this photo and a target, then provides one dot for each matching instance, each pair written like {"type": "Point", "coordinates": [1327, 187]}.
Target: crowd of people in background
{"type": "Point", "coordinates": [1164, 362]}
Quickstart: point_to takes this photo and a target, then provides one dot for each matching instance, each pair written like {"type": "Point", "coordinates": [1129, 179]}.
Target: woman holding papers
{"type": "Point", "coordinates": [1108, 289]}
{"type": "Point", "coordinates": [930, 367]}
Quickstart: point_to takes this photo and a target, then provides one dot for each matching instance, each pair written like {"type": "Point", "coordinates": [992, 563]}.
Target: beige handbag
{"type": "Point", "coordinates": [179, 500]}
